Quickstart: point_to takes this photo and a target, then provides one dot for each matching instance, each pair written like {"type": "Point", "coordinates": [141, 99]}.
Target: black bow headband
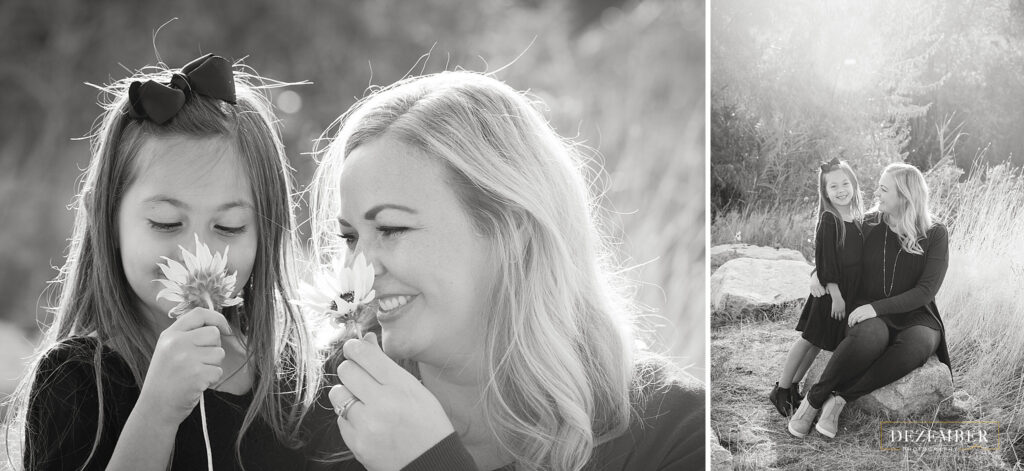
{"type": "Point", "coordinates": [828, 166]}
{"type": "Point", "coordinates": [208, 75]}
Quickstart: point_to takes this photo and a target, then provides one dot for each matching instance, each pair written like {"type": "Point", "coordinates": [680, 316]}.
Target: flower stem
{"type": "Point", "coordinates": [202, 405]}
{"type": "Point", "coordinates": [206, 434]}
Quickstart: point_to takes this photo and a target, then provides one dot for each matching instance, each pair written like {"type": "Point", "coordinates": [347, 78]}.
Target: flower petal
{"type": "Point", "coordinates": [173, 270]}
{"type": "Point", "coordinates": [170, 296]}
{"type": "Point", "coordinates": [203, 253]}
{"type": "Point", "coordinates": [191, 263]}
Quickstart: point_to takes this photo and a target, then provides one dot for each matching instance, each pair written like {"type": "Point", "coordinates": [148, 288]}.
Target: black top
{"type": "Point", "coordinates": [903, 294]}
{"type": "Point", "coordinates": [667, 434]}
{"type": "Point", "coordinates": [834, 262]}
{"type": "Point", "coordinates": [63, 411]}
{"type": "Point", "coordinates": [838, 263]}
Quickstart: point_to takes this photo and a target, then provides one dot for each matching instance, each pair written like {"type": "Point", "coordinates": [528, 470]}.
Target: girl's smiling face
{"type": "Point", "coordinates": [184, 186]}
{"type": "Point", "coordinates": [839, 188]}
{"type": "Point", "coordinates": [433, 270]}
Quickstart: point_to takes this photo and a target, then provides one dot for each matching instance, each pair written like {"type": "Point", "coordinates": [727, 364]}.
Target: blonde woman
{"type": "Point", "coordinates": [896, 325]}
{"type": "Point", "coordinates": [506, 342]}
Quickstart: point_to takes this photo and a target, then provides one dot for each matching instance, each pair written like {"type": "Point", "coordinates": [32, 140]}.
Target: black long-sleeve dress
{"type": "Point", "coordinates": [833, 264]}
{"type": "Point", "coordinates": [63, 411]}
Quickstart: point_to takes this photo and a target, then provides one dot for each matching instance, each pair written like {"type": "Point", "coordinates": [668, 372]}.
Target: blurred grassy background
{"type": "Point", "coordinates": [624, 77]}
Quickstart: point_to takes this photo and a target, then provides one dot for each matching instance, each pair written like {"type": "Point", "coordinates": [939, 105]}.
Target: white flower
{"type": "Point", "coordinates": [340, 291]}
{"type": "Point", "coordinates": [201, 282]}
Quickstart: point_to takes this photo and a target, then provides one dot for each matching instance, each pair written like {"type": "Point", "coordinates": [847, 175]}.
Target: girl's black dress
{"type": "Point", "coordinates": [833, 264]}
{"type": "Point", "coordinates": [63, 411]}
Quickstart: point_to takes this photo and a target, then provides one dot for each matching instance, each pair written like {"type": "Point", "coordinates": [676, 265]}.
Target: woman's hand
{"type": "Point", "coordinates": [838, 308]}
{"type": "Point", "coordinates": [386, 416]}
{"type": "Point", "coordinates": [861, 314]}
{"type": "Point", "coordinates": [185, 363]}
{"type": "Point", "coordinates": [816, 289]}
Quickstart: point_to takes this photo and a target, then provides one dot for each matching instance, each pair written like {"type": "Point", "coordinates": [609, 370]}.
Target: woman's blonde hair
{"type": "Point", "coordinates": [911, 219]}
{"type": "Point", "coordinates": [94, 295]}
{"type": "Point", "coordinates": [558, 350]}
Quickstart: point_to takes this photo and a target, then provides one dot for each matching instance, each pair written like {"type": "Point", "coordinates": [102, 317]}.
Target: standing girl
{"type": "Point", "coordinates": [176, 155]}
{"type": "Point", "coordinates": [837, 257]}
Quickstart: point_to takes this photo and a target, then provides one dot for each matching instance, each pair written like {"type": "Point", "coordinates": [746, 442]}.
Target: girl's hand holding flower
{"type": "Point", "coordinates": [185, 363]}
{"type": "Point", "coordinates": [386, 416]}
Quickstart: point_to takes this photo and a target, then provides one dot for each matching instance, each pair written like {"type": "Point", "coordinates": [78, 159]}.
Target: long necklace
{"type": "Point", "coordinates": [894, 262]}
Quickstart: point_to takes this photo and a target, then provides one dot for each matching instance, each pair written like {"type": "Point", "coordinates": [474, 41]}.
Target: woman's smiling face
{"type": "Point", "coordinates": [433, 270]}
{"type": "Point", "coordinates": [888, 197]}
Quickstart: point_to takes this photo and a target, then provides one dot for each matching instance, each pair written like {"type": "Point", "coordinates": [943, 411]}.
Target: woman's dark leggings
{"type": "Point", "coordinates": [871, 356]}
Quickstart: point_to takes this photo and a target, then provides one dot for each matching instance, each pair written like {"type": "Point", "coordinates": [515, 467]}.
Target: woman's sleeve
{"type": "Point", "coordinates": [448, 454]}
{"type": "Point", "coordinates": [60, 425]}
{"type": "Point", "coordinates": [826, 254]}
{"type": "Point", "coordinates": [931, 278]}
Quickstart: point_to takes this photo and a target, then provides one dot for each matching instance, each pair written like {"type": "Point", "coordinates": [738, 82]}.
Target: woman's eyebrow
{"type": "Point", "coordinates": [372, 213]}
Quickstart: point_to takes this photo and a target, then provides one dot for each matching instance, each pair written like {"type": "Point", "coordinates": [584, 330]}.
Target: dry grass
{"type": "Point", "coordinates": [790, 226]}
{"type": "Point", "coordinates": [745, 362]}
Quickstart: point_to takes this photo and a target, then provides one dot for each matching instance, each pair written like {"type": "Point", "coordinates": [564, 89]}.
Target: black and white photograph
{"type": "Point", "coordinates": [866, 199]}
{"type": "Point", "coordinates": [368, 235]}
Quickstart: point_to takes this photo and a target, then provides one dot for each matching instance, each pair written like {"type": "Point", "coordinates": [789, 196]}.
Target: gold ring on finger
{"type": "Point", "coordinates": [343, 410]}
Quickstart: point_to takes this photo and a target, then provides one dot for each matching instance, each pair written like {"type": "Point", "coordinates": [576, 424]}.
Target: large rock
{"type": "Point", "coordinates": [721, 459]}
{"type": "Point", "coordinates": [748, 287]}
{"type": "Point", "coordinates": [723, 253]}
{"type": "Point", "coordinates": [915, 394]}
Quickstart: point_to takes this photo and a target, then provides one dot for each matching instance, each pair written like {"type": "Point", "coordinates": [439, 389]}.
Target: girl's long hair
{"type": "Point", "coordinates": [559, 347]}
{"type": "Point", "coordinates": [94, 294]}
{"type": "Point", "coordinates": [825, 205]}
{"type": "Point", "coordinates": [912, 219]}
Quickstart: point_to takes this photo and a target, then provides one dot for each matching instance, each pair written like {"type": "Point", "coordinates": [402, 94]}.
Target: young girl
{"type": "Point", "coordinates": [176, 155]}
{"type": "Point", "coordinates": [837, 255]}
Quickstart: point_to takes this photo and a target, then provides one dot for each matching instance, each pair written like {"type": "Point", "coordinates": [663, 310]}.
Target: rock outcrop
{"type": "Point", "coordinates": [916, 394]}
{"type": "Point", "coordinates": [723, 253]}
{"type": "Point", "coordinates": [748, 287]}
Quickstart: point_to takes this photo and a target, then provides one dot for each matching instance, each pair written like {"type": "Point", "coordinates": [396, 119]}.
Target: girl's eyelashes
{"type": "Point", "coordinates": [163, 226]}
{"type": "Point", "coordinates": [173, 226]}
{"type": "Point", "coordinates": [231, 230]}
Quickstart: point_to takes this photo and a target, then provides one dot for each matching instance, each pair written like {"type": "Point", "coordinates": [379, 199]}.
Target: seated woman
{"type": "Point", "coordinates": [896, 326]}
{"type": "Point", "coordinates": [508, 342]}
